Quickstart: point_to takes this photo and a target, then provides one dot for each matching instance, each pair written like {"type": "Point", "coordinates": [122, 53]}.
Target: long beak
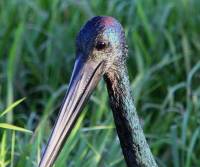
{"type": "Point", "coordinates": [84, 79]}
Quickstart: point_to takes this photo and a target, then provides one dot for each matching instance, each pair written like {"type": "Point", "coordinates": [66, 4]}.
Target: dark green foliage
{"type": "Point", "coordinates": [37, 51]}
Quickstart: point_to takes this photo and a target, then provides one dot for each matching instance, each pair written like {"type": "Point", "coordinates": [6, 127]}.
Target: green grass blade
{"type": "Point", "coordinates": [11, 67]}
{"type": "Point", "coordinates": [3, 149]}
{"type": "Point", "coordinates": [13, 105]}
{"type": "Point", "coordinates": [13, 127]}
{"type": "Point", "coordinates": [12, 149]}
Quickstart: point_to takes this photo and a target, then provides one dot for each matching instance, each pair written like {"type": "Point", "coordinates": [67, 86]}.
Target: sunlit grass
{"type": "Point", "coordinates": [7, 126]}
{"type": "Point", "coordinates": [36, 57]}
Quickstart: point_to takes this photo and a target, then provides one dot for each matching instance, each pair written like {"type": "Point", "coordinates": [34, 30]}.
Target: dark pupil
{"type": "Point", "coordinates": [100, 45]}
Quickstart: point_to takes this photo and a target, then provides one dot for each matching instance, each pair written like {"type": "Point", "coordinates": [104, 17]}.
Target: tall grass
{"type": "Point", "coordinates": [36, 57]}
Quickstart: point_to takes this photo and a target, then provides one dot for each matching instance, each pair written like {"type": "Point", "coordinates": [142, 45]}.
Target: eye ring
{"type": "Point", "coordinates": [101, 45]}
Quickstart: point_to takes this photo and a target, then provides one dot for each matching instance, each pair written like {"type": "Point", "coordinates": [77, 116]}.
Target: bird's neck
{"type": "Point", "coordinates": [134, 145]}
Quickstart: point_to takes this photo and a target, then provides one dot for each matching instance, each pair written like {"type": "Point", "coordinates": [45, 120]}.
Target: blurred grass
{"type": "Point", "coordinates": [36, 56]}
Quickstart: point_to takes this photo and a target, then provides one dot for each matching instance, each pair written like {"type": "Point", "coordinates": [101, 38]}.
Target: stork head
{"type": "Point", "coordinates": [100, 47]}
{"type": "Point", "coordinates": [102, 39]}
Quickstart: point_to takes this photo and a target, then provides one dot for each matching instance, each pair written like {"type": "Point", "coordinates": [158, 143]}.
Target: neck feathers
{"type": "Point", "coordinates": [134, 146]}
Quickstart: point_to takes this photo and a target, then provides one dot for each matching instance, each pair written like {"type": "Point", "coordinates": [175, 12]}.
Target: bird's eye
{"type": "Point", "coordinates": [100, 45]}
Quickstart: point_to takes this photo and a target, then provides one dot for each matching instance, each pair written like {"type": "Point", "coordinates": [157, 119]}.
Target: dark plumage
{"type": "Point", "coordinates": [101, 51]}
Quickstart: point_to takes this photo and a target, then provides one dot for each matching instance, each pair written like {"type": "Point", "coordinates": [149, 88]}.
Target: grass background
{"type": "Point", "coordinates": [37, 40]}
